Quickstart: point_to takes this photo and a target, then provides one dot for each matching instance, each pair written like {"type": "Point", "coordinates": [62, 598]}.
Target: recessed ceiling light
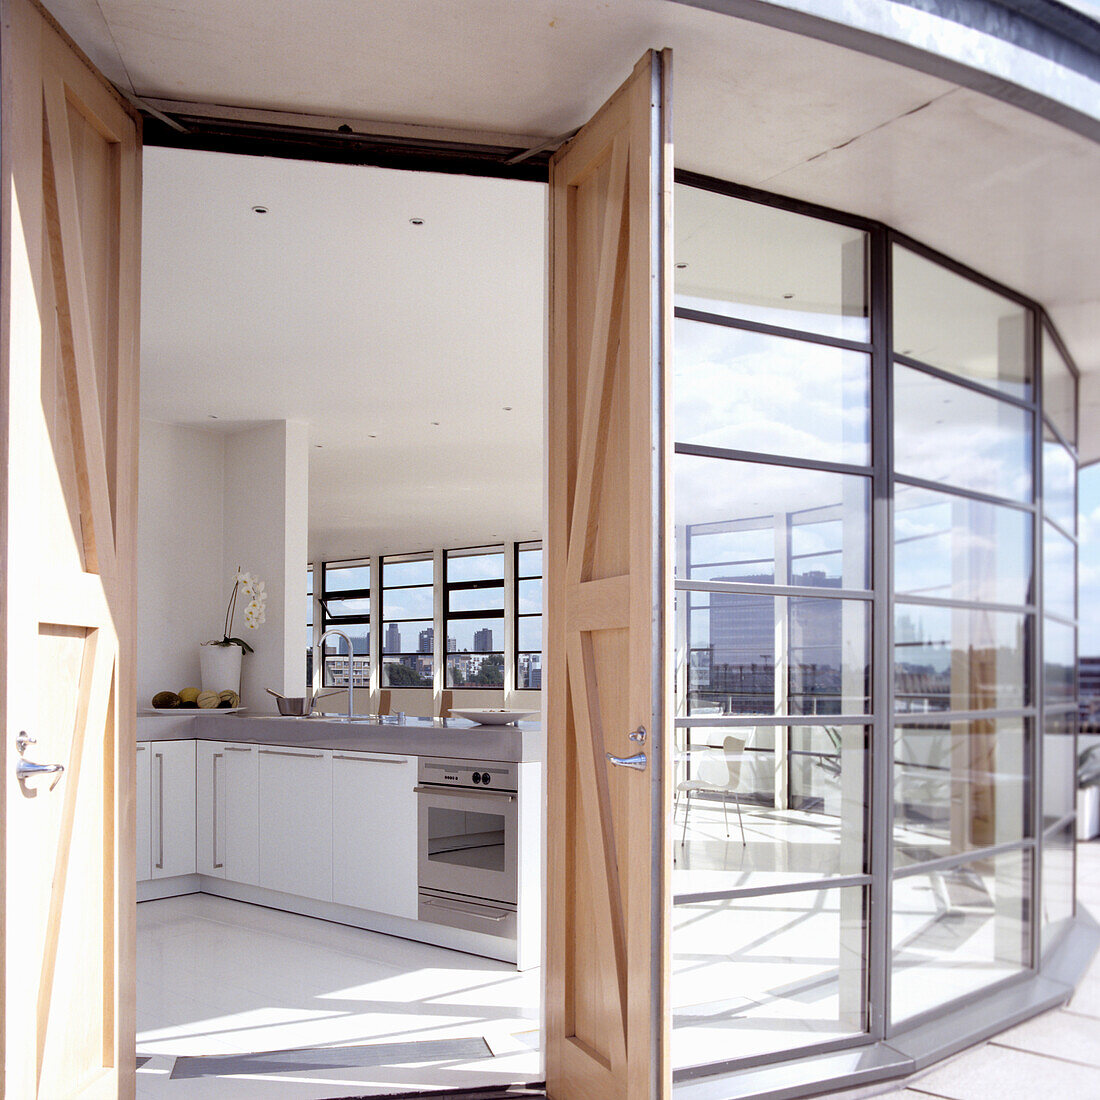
{"type": "Point", "coordinates": [680, 267]}
{"type": "Point", "coordinates": [507, 408]}
{"type": "Point", "coordinates": [259, 210]}
{"type": "Point", "coordinates": [416, 221]}
{"type": "Point", "coordinates": [788, 296]}
{"type": "Point", "coordinates": [319, 446]}
{"type": "Point", "coordinates": [435, 423]}
{"type": "Point", "coordinates": [371, 435]}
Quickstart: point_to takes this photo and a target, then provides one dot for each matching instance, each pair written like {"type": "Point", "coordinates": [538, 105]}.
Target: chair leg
{"type": "Point", "coordinates": [725, 815]}
{"type": "Point", "coordinates": [737, 803]}
{"type": "Point", "coordinates": [687, 810]}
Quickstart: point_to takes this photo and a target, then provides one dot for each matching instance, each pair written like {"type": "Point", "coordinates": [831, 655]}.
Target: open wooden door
{"type": "Point", "coordinates": [68, 434]}
{"type": "Point", "coordinates": [608, 621]}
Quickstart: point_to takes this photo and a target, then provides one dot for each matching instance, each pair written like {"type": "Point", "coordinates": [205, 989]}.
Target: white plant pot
{"type": "Point", "coordinates": [220, 666]}
{"type": "Point", "coordinates": [1088, 812]}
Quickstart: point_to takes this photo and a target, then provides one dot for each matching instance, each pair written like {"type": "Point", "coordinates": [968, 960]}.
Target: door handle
{"type": "Point", "coordinates": [159, 757]}
{"type": "Point", "coordinates": [638, 761]}
{"type": "Point", "coordinates": [25, 770]}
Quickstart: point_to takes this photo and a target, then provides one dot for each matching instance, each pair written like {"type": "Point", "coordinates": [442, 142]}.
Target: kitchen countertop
{"type": "Point", "coordinates": [455, 738]}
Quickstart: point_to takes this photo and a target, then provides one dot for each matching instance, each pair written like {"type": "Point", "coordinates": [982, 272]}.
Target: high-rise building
{"type": "Point", "coordinates": [483, 640]}
{"type": "Point", "coordinates": [427, 638]}
{"type": "Point", "coordinates": [452, 645]}
{"type": "Point", "coordinates": [392, 642]}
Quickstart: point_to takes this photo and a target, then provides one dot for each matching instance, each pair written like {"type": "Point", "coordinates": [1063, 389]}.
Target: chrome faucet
{"type": "Point", "coordinates": [320, 658]}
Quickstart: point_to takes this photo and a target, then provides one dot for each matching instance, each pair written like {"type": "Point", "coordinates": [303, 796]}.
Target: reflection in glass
{"type": "Point", "coordinates": [742, 259]}
{"type": "Point", "coordinates": [958, 786]}
{"type": "Point", "coordinates": [1059, 766]}
{"type": "Point", "coordinates": [1057, 883]}
{"type": "Point", "coordinates": [954, 547]}
{"type": "Point", "coordinates": [728, 654]}
{"type": "Point", "coordinates": [957, 930]}
{"type": "Point", "coordinates": [1059, 483]}
{"type": "Point", "coordinates": [949, 658]}
{"type": "Point", "coordinates": [953, 323]}
{"type": "Point", "coordinates": [747, 391]}
{"type": "Point", "coordinates": [1059, 390]}
{"type": "Point", "coordinates": [750, 521]}
{"type": "Point", "coordinates": [762, 974]}
{"type": "Point", "coordinates": [947, 433]}
{"type": "Point", "coordinates": [1059, 573]}
{"type": "Point", "coordinates": [1059, 662]}
{"type": "Point", "coordinates": [731, 831]}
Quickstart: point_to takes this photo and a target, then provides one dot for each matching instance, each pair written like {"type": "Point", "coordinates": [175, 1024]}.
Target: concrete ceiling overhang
{"type": "Point", "coordinates": [778, 96]}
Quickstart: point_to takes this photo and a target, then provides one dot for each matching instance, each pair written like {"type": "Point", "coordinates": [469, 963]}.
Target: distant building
{"type": "Point", "coordinates": [392, 641]}
{"type": "Point", "coordinates": [427, 638]}
{"type": "Point", "coordinates": [1088, 686]}
{"type": "Point", "coordinates": [452, 645]}
{"type": "Point", "coordinates": [483, 640]}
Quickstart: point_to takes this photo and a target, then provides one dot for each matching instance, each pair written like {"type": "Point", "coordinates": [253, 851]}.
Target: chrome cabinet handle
{"type": "Point", "coordinates": [371, 759]}
{"type": "Point", "coordinates": [462, 792]}
{"type": "Point", "coordinates": [303, 755]}
{"type": "Point", "coordinates": [214, 816]}
{"type": "Point", "coordinates": [495, 915]}
{"type": "Point", "coordinates": [638, 761]}
{"type": "Point", "coordinates": [159, 756]}
{"type": "Point", "coordinates": [238, 748]}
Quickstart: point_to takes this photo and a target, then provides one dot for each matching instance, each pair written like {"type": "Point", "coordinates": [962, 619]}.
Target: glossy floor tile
{"type": "Point", "coordinates": [218, 977]}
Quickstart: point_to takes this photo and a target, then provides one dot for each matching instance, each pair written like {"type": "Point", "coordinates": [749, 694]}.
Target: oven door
{"type": "Point", "coordinates": [467, 842]}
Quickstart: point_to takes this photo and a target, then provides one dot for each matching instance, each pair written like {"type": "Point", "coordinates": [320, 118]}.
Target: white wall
{"type": "Point", "coordinates": [208, 502]}
{"type": "Point", "coordinates": [181, 600]}
{"type": "Point", "coordinates": [266, 521]}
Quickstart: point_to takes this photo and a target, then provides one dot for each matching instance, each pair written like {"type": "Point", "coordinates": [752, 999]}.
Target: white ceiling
{"type": "Point", "coordinates": [1003, 190]}
{"type": "Point", "coordinates": [399, 344]}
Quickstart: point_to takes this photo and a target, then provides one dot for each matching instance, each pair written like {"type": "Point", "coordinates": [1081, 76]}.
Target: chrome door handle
{"type": "Point", "coordinates": [638, 761]}
{"type": "Point", "coordinates": [25, 770]}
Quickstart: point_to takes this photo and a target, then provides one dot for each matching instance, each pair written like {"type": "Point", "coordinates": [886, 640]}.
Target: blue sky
{"type": "Point", "coordinates": [1088, 564]}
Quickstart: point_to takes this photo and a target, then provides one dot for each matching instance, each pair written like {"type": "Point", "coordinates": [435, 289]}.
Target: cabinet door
{"type": "Point", "coordinates": [296, 821]}
{"type": "Point", "coordinates": [144, 815]}
{"type": "Point", "coordinates": [210, 808]}
{"type": "Point", "coordinates": [239, 814]}
{"type": "Point", "coordinates": [374, 832]}
{"type": "Point", "coordinates": [173, 801]}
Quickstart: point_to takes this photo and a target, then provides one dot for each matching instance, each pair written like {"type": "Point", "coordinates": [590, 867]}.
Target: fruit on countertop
{"type": "Point", "coordinates": [228, 698]}
{"type": "Point", "coordinates": [189, 695]}
{"type": "Point", "coordinates": [165, 699]}
{"type": "Point", "coordinates": [207, 700]}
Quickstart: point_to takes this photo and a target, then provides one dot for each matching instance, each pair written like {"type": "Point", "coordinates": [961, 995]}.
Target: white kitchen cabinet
{"type": "Point", "coordinates": [374, 838]}
{"type": "Point", "coordinates": [295, 815]}
{"type": "Point", "coordinates": [172, 805]}
{"type": "Point", "coordinates": [144, 815]}
{"type": "Point", "coordinates": [227, 797]}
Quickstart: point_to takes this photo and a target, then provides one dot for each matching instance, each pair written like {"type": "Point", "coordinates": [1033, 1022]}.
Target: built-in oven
{"type": "Point", "coordinates": [467, 822]}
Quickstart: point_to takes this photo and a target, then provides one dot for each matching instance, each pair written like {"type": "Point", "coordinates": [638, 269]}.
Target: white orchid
{"type": "Point", "coordinates": [253, 590]}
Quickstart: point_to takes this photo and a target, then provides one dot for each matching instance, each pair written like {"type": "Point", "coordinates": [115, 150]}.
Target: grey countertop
{"type": "Point", "coordinates": [455, 738]}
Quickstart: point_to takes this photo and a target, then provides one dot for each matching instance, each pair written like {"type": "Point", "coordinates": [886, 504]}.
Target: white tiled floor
{"type": "Point", "coordinates": [220, 977]}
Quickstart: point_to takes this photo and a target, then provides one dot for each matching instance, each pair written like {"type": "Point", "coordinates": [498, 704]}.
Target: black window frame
{"type": "Point", "coordinates": [517, 653]}
{"type": "Point", "coordinates": [450, 586]}
{"type": "Point", "coordinates": [385, 621]}
{"type": "Point", "coordinates": [329, 620]}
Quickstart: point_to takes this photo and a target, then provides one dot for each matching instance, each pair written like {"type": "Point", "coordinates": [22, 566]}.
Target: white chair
{"type": "Point", "coordinates": [718, 771]}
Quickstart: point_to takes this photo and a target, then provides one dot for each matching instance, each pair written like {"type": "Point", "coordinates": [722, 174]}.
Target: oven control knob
{"type": "Point", "coordinates": [485, 777]}
{"type": "Point", "coordinates": [477, 777]}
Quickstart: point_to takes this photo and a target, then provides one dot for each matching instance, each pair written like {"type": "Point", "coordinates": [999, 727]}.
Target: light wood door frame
{"type": "Point", "coordinates": [69, 271]}
{"type": "Point", "coordinates": [608, 553]}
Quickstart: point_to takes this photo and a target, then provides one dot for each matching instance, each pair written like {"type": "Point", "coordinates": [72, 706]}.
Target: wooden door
{"type": "Point", "coordinates": [69, 258]}
{"type": "Point", "coordinates": [608, 621]}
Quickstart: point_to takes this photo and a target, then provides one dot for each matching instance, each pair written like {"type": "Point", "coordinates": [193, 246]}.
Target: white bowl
{"type": "Point", "coordinates": [492, 716]}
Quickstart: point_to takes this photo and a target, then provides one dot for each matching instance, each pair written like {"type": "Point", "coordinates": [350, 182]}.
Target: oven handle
{"type": "Point", "coordinates": [496, 915]}
{"type": "Point", "coordinates": [462, 792]}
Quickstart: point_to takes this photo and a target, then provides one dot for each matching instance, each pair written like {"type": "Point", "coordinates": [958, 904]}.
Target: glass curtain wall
{"type": "Point", "coordinates": [774, 607]}
{"type": "Point", "coordinates": [875, 632]}
{"type": "Point", "coordinates": [964, 417]}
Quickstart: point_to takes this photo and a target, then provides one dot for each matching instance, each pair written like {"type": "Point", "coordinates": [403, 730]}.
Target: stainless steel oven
{"type": "Point", "coordinates": [467, 821]}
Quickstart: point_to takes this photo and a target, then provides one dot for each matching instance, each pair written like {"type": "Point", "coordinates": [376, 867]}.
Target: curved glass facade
{"type": "Point", "coordinates": [875, 502]}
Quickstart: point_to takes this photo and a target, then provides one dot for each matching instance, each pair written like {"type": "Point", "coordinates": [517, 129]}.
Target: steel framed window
{"type": "Point", "coordinates": [345, 604]}
{"type": "Point", "coordinates": [528, 620]}
{"type": "Point", "coordinates": [407, 592]}
{"type": "Point", "coordinates": [473, 617]}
